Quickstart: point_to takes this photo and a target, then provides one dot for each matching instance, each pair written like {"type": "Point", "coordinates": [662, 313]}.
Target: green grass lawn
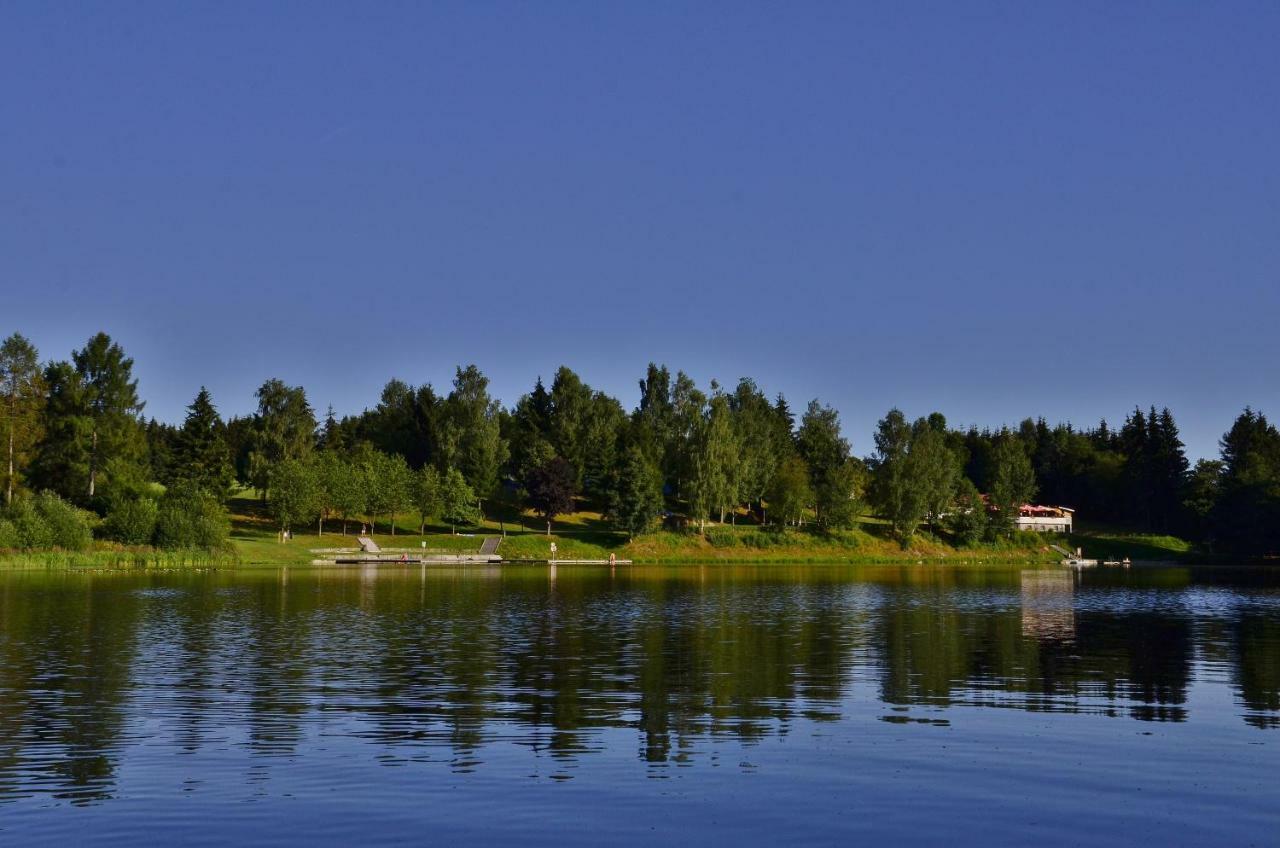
{"type": "Point", "coordinates": [1114, 543]}
{"type": "Point", "coordinates": [586, 535]}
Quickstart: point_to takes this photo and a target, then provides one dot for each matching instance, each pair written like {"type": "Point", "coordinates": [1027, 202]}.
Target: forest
{"type": "Point", "coordinates": [82, 461]}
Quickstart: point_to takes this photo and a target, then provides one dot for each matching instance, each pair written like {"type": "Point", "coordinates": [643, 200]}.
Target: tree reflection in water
{"type": "Point", "coordinates": [444, 663]}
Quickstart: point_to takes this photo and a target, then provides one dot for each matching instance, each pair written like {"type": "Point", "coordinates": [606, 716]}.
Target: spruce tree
{"type": "Point", "coordinates": [636, 498]}
{"type": "Point", "coordinates": [200, 452]}
{"type": "Point", "coordinates": [111, 404]}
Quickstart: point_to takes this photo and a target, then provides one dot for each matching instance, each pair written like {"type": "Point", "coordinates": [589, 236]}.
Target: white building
{"type": "Point", "coordinates": [1044, 519]}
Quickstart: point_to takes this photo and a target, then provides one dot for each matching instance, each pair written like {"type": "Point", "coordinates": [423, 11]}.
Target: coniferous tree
{"type": "Point", "coordinates": [200, 452]}
{"type": "Point", "coordinates": [1246, 517]}
{"type": "Point", "coordinates": [636, 495]}
{"type": "Point", "coordinates": [61, 462]}
{"type": "Point", "coordinates": [653, 422]}
{"type": "Point", "coordinates": [111, 405]}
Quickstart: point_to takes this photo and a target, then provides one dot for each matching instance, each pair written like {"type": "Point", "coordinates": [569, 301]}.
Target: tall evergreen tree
{"type": "Point", "coordinates": [636, 494]}
{"type": "Point", "coordinates": [110, 397]}
{"type": "Point", "coordinates": [200, 450]}
{"type": "Point", "coordinates": [61, 462]}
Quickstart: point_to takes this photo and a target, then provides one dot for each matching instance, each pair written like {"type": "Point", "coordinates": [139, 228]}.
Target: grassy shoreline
{"type": "Point", "coordinates": [255, 542]}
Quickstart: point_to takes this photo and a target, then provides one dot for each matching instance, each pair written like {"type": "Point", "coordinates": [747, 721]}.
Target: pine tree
{"type": "Point", "coordinates": [200, 451]}
{"type": "Point", "coordinates": [111, 404]}
{"type": "Point", "coordinates": [636, 498]}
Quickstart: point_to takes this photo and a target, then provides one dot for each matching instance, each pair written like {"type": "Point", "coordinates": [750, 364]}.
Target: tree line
{"type": "Point", "coordinates": [684, 456]}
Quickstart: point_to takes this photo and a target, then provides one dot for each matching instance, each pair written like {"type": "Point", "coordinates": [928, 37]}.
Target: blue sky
{"type": "Point", "coordinates": [994, 210]}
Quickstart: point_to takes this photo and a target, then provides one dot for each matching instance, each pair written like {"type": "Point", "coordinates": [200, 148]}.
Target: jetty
{"type": "Point", "coordinates": [370, 553]}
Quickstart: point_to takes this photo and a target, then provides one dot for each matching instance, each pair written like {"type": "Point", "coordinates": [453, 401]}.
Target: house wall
{"type": "Point", "coordinates": [1043, 525]}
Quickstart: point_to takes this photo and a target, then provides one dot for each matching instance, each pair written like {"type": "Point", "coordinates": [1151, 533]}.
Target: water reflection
{"type": "Point", "coordinates": [430, 664]}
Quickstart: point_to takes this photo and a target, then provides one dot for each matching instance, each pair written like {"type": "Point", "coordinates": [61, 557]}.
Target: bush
{"type": "Point", "coordinates": [190, 518]}
{"type": "Point", "coordinates": [760, 539]}
{"type": "Point", "coordinates": [9, 539]}
{"type": "Point", "coordinates": [132, 522]}
{"type": "Point", "coordinates": [722, 538]}
{"type": "Point", "coordinates": [45, 521]}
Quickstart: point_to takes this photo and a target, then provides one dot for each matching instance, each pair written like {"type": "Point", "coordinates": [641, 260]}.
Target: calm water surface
{"type": "Point", "coordinates": [695, 705]}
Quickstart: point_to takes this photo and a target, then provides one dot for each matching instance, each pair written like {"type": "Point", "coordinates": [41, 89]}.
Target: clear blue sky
{"type": "Point", "coordinates": [995, 210]}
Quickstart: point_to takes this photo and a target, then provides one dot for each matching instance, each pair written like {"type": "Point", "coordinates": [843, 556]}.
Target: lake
{"type": "Point", "coordinates": [681, 705]}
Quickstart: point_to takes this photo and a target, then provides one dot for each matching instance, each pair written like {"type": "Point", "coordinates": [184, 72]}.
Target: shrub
{"type": "Point", "coordinates": [70, 527]}
{"type": "Point", "coordinates": [46, 521]}
{"type": "Point", "coordinates": [190, 518]}
{"type": "Point", "coordinates": [132, 522]}
{"type": "Point", "coordinates": [722, 538]}
{"type": "Point", "coordinates": [760, 539]}
{"type": "Point", "coordinates": [9, 539]}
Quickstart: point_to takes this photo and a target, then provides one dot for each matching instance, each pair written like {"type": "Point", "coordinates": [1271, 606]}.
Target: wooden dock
{"type": "Point", "coordinates": [370, 554]}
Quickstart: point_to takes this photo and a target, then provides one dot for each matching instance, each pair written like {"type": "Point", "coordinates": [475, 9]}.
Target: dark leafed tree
{"type": "Point", "coordinates": [551, 489]}
{"type": "Point", "coordinates": [200, 452]}
{"type": "Point", "coordinates": [283, 428]}
{"type": "Point", "coordinates": [22, 398]}
{"type": "Point", "coordinates": [110, 397]}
